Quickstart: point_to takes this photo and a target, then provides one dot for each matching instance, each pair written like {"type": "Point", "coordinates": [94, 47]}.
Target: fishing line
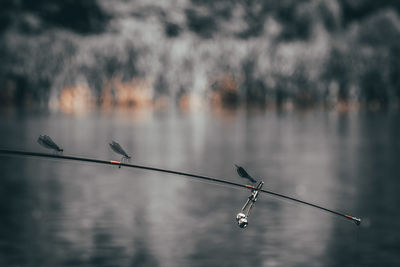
{"type": "Point", "coordinates": [357, 248]}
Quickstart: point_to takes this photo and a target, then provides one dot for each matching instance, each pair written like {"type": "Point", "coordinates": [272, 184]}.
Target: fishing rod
{"type": "Point", "coordinates": [252, 198]}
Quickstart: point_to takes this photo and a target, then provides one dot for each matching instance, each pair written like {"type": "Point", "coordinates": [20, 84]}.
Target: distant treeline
{"type": "Point", "coordinates": [300, 53]}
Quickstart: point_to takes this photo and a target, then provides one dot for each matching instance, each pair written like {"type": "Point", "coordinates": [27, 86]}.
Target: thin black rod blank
{"type": "Point", "coordinates": [201, 177]}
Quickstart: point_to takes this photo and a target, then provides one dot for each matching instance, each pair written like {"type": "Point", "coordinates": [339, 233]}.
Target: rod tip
{"type": "Point", "coordinates": [356, 220]}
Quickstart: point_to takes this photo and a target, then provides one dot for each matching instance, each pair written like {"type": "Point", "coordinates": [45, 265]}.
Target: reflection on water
{"type": "Point", "coordinates": [56, 213]}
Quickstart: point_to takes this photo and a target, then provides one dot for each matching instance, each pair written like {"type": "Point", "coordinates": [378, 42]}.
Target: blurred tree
{"type": "Point", "coordinates": [338, 69]}
{"type": "Point", "coordinates": [80, 16]}
{"type": "Point", "coordinates": [380, 35]}
{"type": "Point", "coordinates": [282, 90]}
{"type": "Point", "coordinates": [291, 13]}
{"type": "Point", "coordinates": [172, 29]}
{"type": "Point", "coordinates": [329, 11]}
{"type": "Point", "coordinates": [255, 89]}
{"type": "Point", "coordinates": [108, 62]}
{"type": "Point", "coordinates": [83, 17]}
{"type": "Point", "coordinates": [381, 30]}
{"type": "Point", "coordinates": [6, 13]}
{"type": "Point", "coordinates": [161, 86]}
{"type": "Point", "coordinates": [394, 75]}
{"type": "Point", "coordinates": [32, 58]}
{"type": "Point", "coordinates": [374, 88]}
{"type": "Point", "coordinates": [296, 19]}
{"type": "Point", "coordinates": [204, 25]}
{"type": "Point", "coordinates": [354, 11]}
{"type": "Point", "coordinates": [303, 88]}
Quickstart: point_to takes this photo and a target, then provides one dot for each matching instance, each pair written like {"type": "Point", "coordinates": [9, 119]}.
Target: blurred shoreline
{"type": "Point", "coordinates": [290, 55]}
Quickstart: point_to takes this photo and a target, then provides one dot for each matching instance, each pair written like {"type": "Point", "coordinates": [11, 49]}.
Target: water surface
{"type": "Point", "coordinates": [61, 213]}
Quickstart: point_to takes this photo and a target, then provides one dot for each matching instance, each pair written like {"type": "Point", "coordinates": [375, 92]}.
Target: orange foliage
{"type": "Point", "coordinates": [75, 99]}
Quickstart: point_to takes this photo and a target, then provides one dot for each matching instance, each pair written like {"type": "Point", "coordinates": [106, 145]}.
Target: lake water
{"type": "Point", "coordinates": [62, 213]}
